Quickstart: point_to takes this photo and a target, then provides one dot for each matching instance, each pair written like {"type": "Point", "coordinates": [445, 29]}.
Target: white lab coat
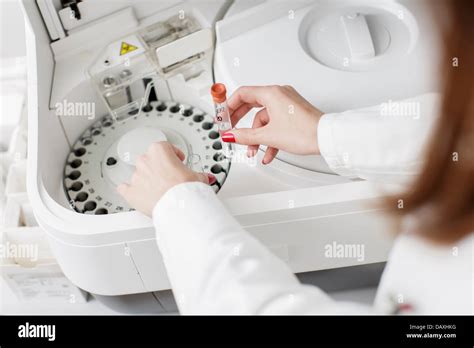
{"type": "Point", "coordinates": [198, 237]}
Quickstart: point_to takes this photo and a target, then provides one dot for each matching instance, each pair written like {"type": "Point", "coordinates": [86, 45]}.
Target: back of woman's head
{"type": "Point", "coordinates": [442, 196]}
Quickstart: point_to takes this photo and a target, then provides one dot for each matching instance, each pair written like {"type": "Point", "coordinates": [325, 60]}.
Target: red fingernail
{"type": "Point", "coordinates": [212, 179]}
{"type": "Point", "coordinates": [228, 137]}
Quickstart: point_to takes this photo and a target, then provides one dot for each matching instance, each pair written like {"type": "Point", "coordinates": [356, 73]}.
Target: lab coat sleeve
{"type": "Point", "coordinates": [380, 143]}
{"type": "Point", "coordinates": [216, 267]}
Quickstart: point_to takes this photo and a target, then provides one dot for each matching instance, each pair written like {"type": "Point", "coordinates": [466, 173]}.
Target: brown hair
{"type": "Point", "coordinates": [442, 196]}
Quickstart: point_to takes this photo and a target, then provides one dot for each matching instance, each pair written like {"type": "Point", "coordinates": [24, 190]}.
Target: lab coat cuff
{"type": "Point", "coordinates": [327, 146]}
{"type": "Point", "coordinates": [176, 195]}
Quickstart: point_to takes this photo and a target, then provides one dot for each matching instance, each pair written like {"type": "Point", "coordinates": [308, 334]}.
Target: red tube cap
{"type": "Point", "coordinates": [218, 92]}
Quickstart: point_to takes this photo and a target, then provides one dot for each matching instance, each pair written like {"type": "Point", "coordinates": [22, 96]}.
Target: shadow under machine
{"type": "Point", "coordinates": [107, 78]}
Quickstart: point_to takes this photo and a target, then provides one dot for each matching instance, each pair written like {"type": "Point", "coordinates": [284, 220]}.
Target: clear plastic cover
{"type": "Point", "coordinates": [125, 71]}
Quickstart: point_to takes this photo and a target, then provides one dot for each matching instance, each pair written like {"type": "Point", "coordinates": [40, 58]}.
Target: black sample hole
{"type": "Point", "coordinates": [133, 112]}
{"type": "Point", "coordinates": [207, 125]}
{"type": "Point", "coordinates": [216, 169]}
{"type": "Point", "coordinates": [77, 186]}
{"type": "Point", "coordinates": [198, 118]}
{"type": "Point", "coordinates": [111, 161]}
{"type": "Point", "coordinates": [107, 122]}
{"type": "Point", "coordinates": [147, 108]}
{"type": "Point", "coordinates": [174, 109]}
{"type": "Point", "coordinates": [187, 112]}
{"type": "Point", "coordinates": [161, 107]}
{"type": "Point", "coordinates": [217, 145]}
{"type": "Point", "coordinates": [101, 211]}
{"type": "Point", "coordinates": [96, 131]}
{"type": "Point", "coordinates": [86, 141]}
{"type": "Point", "coordinates": [89, 206]}
{"type": "Point", "coordinates": [81, 197]}
{"type": "Point", "coordinates": [213, 135]}
{"type": "Point", "coordinates": [74, 175]}
{"type": "Point", "coordinates": [79, 152]}
{"type": "Point", "coordinates": [76, 163]}
{"type": "Point", "coordinates": [218, 157]}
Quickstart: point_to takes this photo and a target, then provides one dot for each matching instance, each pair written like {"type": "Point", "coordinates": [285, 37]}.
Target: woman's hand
{"type": "Point", "coordinates": [286, 121]}
{"type": "Point", "coordinates": [156, 172]}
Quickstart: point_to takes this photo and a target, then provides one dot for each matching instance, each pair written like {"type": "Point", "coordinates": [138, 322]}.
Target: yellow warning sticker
{"type": "Point", "coordinates": [127, 48]}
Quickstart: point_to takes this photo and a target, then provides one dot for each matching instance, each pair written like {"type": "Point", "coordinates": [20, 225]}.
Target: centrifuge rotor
{"type": "Point", "coordinates": [104, 154]}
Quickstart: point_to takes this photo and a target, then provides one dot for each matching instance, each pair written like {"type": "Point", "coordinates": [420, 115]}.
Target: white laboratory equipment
{"type": "Point", "coordinates": [108, 78]}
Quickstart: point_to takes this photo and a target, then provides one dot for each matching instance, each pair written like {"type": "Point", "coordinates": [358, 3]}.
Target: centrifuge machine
{"type": "Point", "coordinates": [108, 78]}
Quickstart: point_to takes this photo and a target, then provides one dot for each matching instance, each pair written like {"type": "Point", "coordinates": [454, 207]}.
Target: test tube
{"type": "Point", "coordinates": [222, 116]}
{"type": "Point", "coordinates": [195, 163]}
